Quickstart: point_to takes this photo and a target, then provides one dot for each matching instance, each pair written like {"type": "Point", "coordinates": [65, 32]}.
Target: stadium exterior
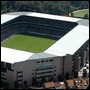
{"type": "Point", "coordinates": [68, 54]}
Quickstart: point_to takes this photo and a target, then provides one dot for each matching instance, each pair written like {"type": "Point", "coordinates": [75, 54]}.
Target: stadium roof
{"type": "Point", "coordinates": [83, 22]}
{"type": "Point", "coordinates": [71, 42]}
{"type": "Point", "coordinates": [12, 55]}
{"type": "Point", "coordinates": [40, 56]}
{"type": "Point", "coordinates": [9, 16]}
{"type": "Point", "coordinates": [68, 44]}
{"type": "Point", "coordinates": [5, 18]}
{"type": "Point", "coordinates": [55, 17]}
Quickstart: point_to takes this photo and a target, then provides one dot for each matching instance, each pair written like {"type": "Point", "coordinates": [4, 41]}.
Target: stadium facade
{"type": "Point", "coordinates": [67, 55]}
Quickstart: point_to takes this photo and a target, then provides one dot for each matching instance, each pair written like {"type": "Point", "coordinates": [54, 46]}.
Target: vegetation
{"type": "Point", "coordinates": [84, 13]}
{"type": "Point", "coordinates": [76, 74]}
{"type": "Point", "coordinates": [25, 84]}
{"type": "Point", "coordinates": [51, 7]}
{"type": "Point", "coordinates": [84, 73]}
{"type": "Point", "coordinates": [29, 42]}
{"type": "Point", "coordinates": [86, 16]}
{"type": "Point", "coordinates": [67, 76]}
{"type": "Point", "coordinates": [59, 78]}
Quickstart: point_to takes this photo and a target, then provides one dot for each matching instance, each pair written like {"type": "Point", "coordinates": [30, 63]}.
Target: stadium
{"type": "Point", "coordinates": [36, 45]}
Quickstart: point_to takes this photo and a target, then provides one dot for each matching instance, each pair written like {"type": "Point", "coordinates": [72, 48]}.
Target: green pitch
{"type": "Point", "coordinates": [81, 13]}
{"type": "Point", "coordinates": [31, 43]}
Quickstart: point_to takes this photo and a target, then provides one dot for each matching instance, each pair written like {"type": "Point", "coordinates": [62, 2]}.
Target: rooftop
{"type": "Point", "coordinates": [77, 36]}
{"type": "Point", "coordinates": [12, 55]}
{"type": "Point", "coordinates": [70, 83]}
{"type": "Point", "coordinates": [48, 85]}
{"type": "Point", "coordinates": [13, 15]}
{"type": "Point", "coordinates": [68, 44]}
{"type": "Point", "coordinates": [40, 56]}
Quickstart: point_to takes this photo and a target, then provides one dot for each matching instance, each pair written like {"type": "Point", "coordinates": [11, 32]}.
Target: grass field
{"type": "Point", "coordinates": [81, 13]}
{"type": "Point", "coordinates": [28, 43]}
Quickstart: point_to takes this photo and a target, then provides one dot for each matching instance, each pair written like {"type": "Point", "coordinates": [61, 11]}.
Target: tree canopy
{"type": "Point", "coordinates": [50, 7]}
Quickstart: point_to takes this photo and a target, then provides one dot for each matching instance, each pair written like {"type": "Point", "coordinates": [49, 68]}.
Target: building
{"type": "Point", "coordinates": [68, 54]}
{"type": "Point", "coordinates": [76, 83]}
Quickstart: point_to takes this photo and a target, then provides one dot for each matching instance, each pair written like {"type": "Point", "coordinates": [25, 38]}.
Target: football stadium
{"type": "Point", "coordinates": [36, 46]}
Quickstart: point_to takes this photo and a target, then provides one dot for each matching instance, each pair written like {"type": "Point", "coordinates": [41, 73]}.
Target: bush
{"type": "Point", "coordinates": [86, 16]}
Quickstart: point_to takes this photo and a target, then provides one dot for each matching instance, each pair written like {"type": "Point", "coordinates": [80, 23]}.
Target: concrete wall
{"type": "Point", "coordinates": [10, 78]}
{"type": "Point", "coordinates": [58, 67]}
{"type": "Point", "coordinates": [27, 68]}
{"type": "Point", "coordinates": [68, 64]}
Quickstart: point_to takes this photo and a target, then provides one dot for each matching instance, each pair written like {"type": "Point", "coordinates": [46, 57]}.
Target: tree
{"type": "Point", "coordinates": [43, 79]}
{"type": "Point", "coordinates": [25, 84]}
{"type": "Point", "coordinates": [71, 77]}
{"type": "Point", "coordinates": [84, 5]}
{"type": "Point", "coordinates": [59, 77]}
{"type": "Point", "coordinates": [51, 79]}
{"type": "Point", "coordinates": [75, 74]}
{"type": "Point", "coordinates": [84, 73]}
{"type": "Point", "coordinates": [16, 84]}
{"type": "Point", "coordinates": [34, 81]}
{"type": "Point", "coordinates": [67, 76]}
{"type": "Point", "coordinates": [86, 16]}
{"type": "Point", "coordinates": [72, 15]}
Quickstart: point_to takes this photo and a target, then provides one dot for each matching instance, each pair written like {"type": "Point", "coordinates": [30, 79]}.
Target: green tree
{"type": "Point", "coordinates": [86, 16]}
{"type": "Point", "coordinates": [84, 5]}
{"type": "Point", "coordinates": [84, 73]}
{"type": "Point", "coordinates": [51, 78]}
{"type": "Point", "coordinates": [72, 15]}
{"type": "Point", "coordinates": [67, 76]}
{"type": "Point", "coordinates": [43, 79]}
{"type": "Point", "coordinates": [75, 74]}
{"type": "Point", "coordinates": [51, 7]}
{"type": "Point", "coordinates": [59, 77]}
{"type": "Point", "coordinates": [16, 84]}
{"type": "Point", "coordinates": [25, 84]}
{"type": "Point", "coordinates": [34, 81]}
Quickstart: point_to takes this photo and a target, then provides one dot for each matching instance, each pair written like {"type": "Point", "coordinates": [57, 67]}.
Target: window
{"type": "Point", "coordinates": [38, 61]}
{"type": "Point", "coordinates": [54, 74]}
{"type": "Point", "coordinates": [2, 64]}
{"type": "Point", "coordinates": [19, 75]}
{"type": "Point", "coordinates": [44, 72]}
{"type": "Point", "coordinates": [51, 60]}
{"type": "Point", "coordinates": [46, 60]}
{"type": "Point", "coordinates": [42, 61]}
{"type": "Point", "coordinates": [19, 71]}
{"type": "Point", "coordinates": [8, 65]}
{"type": "Point", "coordinates": [3, 79]}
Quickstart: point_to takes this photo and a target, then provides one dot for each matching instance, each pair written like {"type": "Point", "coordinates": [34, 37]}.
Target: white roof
{"type": "Point", "coordinates": [12, 55]}
{"type": "Point", "coordinates": [8, 16]}
{"type": "Point", "coordinates": [5, 18]}
{"type": "Point", "coordinates": [71, 42]}
{"type": "Point", "coordinates": [55, 52]}
{"type": "Point", "coordinates": [55, 17]}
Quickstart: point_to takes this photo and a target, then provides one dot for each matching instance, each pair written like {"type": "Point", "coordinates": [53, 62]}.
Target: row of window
{"type": "Point", "coordinates": [42, 61]}
{"type": "Point", "coordinates": [43, 68]}
{"type": "Point", "coordinates": [3, 78]}
{"type": "Point", "coordinates": [19, 75]}
{"type": "Point", "coordinates": [6, 65]}
{"type": "Point", "coordinates": [44, 72]}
